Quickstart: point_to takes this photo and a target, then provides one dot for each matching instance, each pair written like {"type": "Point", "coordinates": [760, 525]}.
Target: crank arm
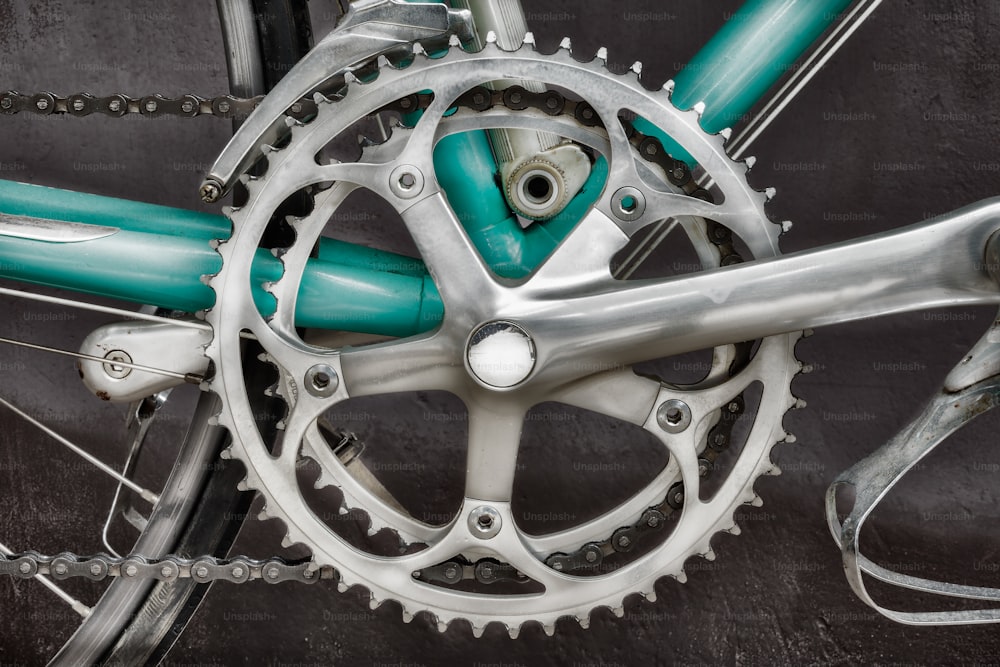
{"type": "Point", "coordinates": [938, 263]}
{"type": "Point", "coordinates": [369, 29]}
{"type": "Point", "coordinates": [873, 477]}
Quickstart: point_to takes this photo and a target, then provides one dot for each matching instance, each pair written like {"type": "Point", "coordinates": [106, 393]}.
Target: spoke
{"type": "Point", "coordinates": [601, 527]}
{"type": "Point", "coordinates": [374, 177]}
{"type": "Point", "coordinates": [191, 378]}
{"type": "Point", "coordinates": [620, 394]}
{"type": "Point", "coordinates": [146, 495]}
{"type": "Point", "coordinates": [743, 220]}
{"type": "Point", "coordinates": [365, 490]}
{"type": "Point", "coordinates": [83, 305]}
{"type": "Point", "coordinates": [458, 270]}
{"type": "Point", "coordinates": [584, 257]}
{"type": "Point", "coordinates": [77, 606]}
{"type": "Point", "coordinates": [494, 438]}
{"type": "Point", "coordinates": [414, 364]}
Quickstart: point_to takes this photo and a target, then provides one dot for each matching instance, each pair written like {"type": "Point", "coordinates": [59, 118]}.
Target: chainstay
{"type": "Point", "coordinates": [206, 569]}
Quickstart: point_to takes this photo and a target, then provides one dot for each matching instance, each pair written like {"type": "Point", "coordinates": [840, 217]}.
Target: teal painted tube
{"type": "Point", "coordinates": [756, 46]}
{"type": "Point", "coordinates": [466, 170]}
{"type": "Point", "coordinates": [37, 201]}
{"type": "Point", "coordinates": [347, 287]}
{"type": "Point", "coordinates": [166, 271]}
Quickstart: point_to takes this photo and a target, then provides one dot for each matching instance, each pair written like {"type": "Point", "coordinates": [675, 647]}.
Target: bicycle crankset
{"type": "Point", "coordinates": [505, 344]}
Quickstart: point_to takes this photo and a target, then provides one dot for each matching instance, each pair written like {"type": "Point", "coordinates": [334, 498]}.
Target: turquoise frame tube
{"type": "Point", "coordinates": [158, 255]}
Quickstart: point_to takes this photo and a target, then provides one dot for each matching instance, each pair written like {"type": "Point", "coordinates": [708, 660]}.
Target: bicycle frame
{"type": "Point", "coordinates": [156, 255]}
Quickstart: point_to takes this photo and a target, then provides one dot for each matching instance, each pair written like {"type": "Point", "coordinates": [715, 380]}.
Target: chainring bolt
{"type": "Point", "coordinates": [673, 416]}
{"type": "Point", "coordinates": [484, 522]}
{"type": "Point", "coordinates": [322, 381]}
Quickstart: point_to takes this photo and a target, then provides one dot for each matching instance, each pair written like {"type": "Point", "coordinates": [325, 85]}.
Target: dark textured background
{"type": "Point", "coordinates": [921, 83]}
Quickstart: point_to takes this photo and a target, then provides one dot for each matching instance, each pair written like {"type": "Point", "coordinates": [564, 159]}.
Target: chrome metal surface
{"type": "Point", "coordinates": [579, 269]}
{"type": "Point", "coordinates": [370, 28]}
{"type": "Point", "coordinates": [872, 478]}
{"type": "Point", "coordinates": [180, 349]}
{"type": "Point", "coordinates": [53, 231]}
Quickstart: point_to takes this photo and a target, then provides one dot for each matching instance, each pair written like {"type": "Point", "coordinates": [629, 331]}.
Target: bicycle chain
{"type": "Point", "coordinates": [119, 105]}
{"type": "Point", "coordinates": [206, 569]}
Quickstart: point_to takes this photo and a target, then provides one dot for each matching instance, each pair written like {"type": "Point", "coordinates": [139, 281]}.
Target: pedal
{"type": "Point", "coordinates": [971, 389]}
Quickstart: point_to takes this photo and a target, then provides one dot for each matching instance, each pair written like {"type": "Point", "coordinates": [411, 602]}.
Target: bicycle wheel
{"type": "Point", "coordinates": [199, 510]}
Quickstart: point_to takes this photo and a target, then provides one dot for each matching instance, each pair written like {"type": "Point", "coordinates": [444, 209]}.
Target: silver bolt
{"type": "Point", "coordinates": [733, 407]}
{"type": "Point", "coordinates": [95, 569]}
{"type": "Point", "coordinates": [165, 571]}
{"type": "Point", "coordinates": [210, 192]}
{"type": "Point", "coordinates": [451, 572]}
{"type": "Point", "coordinates": [187, 106]}
{"type": "Point", "coordinates": [628, 204]}
{"type": "Point", "coordinates": [273, 573]}
{"type": "Point", "coordinates": [237, 571]}
{"type": "Point", "coordinates": [115, 371]}
{"type": "Point", "coordinates": [201, 572]}
{"type": "Point", "coordinates": [308, 574]}
{"type": "Point", "coordinates": [653, 521]}
{"type": "Point", "coordinates": [6, 103]}
{"type": "Point", "coordinates": [42, 104]}
{"type": "Point", "coordinates": [78, 105]}
{"type": "Point", "coordinates": [115, 105]}
{"type": "Point", "coordinates": [131, 570]}
{"type": "Point", "coordinates": [224, 106]}
{"type": "Point", "coordinates": [557, 566]}
{"type": "Point", "coordinates": [406, 181]}
{"type": "Point", "coordinates": [624, 541]}
{"type": "Point", "coordinates": [151, 106]}
{"type": "Point", "coordinates": [484, 522]}
{"type": "Point", "coordinates": [322, 381]}
{"type": "Point", "coordinates": [673, 416]}
{"type": "Point", "coordinates": [296, 108]}
{"type": "Point", "coordinates": [24, 567]}
{"type": "Point", "coordinates": [591, 556]}
{"type": "Point", "coordinates": [61, 569]}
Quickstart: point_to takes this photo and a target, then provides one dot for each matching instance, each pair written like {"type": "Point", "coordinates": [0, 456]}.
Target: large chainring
{"type": "Point", "coordinates": [402, 173]}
